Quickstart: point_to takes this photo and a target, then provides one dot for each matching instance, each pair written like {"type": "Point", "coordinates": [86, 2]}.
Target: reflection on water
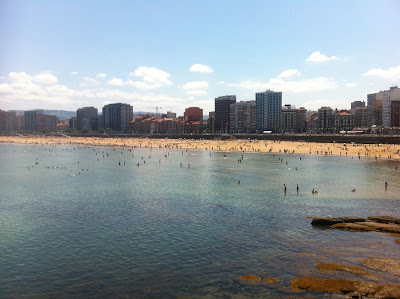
{"type": "Point", "coordinates": [91, 222]}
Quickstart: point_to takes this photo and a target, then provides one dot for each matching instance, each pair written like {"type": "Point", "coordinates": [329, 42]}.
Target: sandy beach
{"type": "Point", "coordinates": [358, 151]}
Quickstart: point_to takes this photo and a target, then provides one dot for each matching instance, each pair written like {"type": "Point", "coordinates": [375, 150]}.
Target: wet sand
{"type": "Point", "coordinates": [356, 151]}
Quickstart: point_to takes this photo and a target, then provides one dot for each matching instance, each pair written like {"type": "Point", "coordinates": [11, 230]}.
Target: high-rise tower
{"type": "Point", "coordinates": [268, 111]}
{"type": "Point", "coordinates": [222, 113]}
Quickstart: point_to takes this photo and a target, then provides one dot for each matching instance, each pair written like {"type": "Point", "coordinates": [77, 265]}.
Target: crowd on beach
{"type": "Point", "coordinates": [375, 151]}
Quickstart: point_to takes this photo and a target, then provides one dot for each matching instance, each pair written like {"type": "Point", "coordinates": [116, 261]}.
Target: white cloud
{"type": "Point", "coordinates": [74, 73]}
{"type": "Point", "coordinates": [32, 91]}
{"type": "Point", "coordinates": [101, 75]}
{"type": "Point", "coordinates": [195, 85]}
{"type": "Point", "coordinates": [201, 68]}
{"type": "Point", "coordinates": [88, 81]}
{"type": "Point", "coordinates": [392, 73]}
{"type": "Point", "coordinates": [196, 88]}
{"type": "Point", "coordinates": [45, 78]}
{"type": "Point", "coordinates": [350, 85]}
{"type": "Point", "coordinates": [19, 77]}
{"type": "Point", "coordinates": [318, 57]}
{"type": "Point", "coordinates": [152, 78]}
{"type": "Point", "coordinates": [289, 73]}
{"type": "Point", "coordinates": [197, 92]}
{"type": "Point", "coordinates": [278, 84]}
{"type": "Point", "coordinates": [19, 91]}
{"type": "Point", "coordinates": [116, 82]}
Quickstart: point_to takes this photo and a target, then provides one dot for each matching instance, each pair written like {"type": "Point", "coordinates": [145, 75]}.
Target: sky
{"type": "Point", "coordinates": [64, 55]}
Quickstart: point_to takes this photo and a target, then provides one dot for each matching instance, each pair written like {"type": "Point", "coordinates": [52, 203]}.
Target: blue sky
{"type": "Point", "coordinates": [177, 54]}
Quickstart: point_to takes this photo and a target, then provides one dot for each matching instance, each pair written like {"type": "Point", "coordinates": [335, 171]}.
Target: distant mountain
{"type": "Point", "coordinates": [58, 113]}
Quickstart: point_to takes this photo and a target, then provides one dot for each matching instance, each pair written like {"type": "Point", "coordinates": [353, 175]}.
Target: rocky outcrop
{"type": "Point", "coordinates": [364, 288]}
{"type": "Point", "coordinates": [353, 227]}
{"type": "Point", "coordinates": [384, 219]}
{"type": "Point", "coordinates": [270, 280]}
{"type": "Point", "coordinates": [352, 219]}
{"type": "Point", "coordinates": [369, 226]}
{"type": "Point", "coordinates": [250, 278]}
{"type": "Point", "coordinates": [387, 265]}
{"type": "Point", "coordinates": [325, 221]}
{"type": "Point", "coordinates": [329, 221]}
{"type": "Point", "coordinates": [386, 224]}
{"type": "Point", "coordinates": [350, 269]}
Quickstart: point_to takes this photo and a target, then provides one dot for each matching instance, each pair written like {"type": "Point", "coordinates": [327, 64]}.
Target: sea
{"type": "Point", "coordinates": [104, 222]}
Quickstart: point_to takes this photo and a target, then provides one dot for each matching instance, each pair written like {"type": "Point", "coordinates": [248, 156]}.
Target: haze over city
{"type": "Point", "coordinates": [177, 54]}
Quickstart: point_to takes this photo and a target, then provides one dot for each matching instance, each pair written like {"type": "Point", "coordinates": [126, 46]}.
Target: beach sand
{"type": "Point", "coordinates": [358, 151]}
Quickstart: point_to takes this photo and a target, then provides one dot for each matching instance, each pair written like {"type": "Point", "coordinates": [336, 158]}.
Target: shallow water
{"type": "Point", "coordinates": [80, 224]}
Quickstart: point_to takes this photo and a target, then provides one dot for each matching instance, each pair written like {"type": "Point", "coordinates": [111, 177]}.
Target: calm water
{"type": "Point", "coordinates": [80, 224]}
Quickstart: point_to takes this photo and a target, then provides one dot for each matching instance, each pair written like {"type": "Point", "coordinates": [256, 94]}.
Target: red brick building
{"type": "Point", "coordinates": [193, 114]}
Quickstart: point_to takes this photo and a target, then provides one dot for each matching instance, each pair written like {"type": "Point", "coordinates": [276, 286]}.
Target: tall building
{"type": "Point", "coordinates": [243, 117]}
{"type": "Point", "coordinates": [20, 123]}
{"type": "Point", "coordinates": [46, 122]}
{"type": "Point", "coordinates": [268, 111]}
{"type": "Point", "coordinates": [117, 116]}
{"type": "Point", "coordinates": [211, 122]}
{"type": "Point", "coordinates": [374, 109]}
{"type": "Point", "coordinates": [360, 117]}
{"type": "Point", "coordinates": [8, 121]}
{"type": "Point", "coordinates": [289, 119]}
{"type": "Point", "coordinates": [395, 114]}
{"type": "Point", "coordinates": [393, 94]}
{"type": "Point", "coordinates": [222, 113]}
{"type": "Point", "coordinates": [72, 123]}
{"type": "Point", "coordinates": [357, 104]}
{"type": "Point", "coordinates": [325, 118]}
{"type": "Point", "coordinates": [30, 119]}
{"type": "Point", "coordinates": [3, 120]}
{"type": "Point", "coordinates": [301, 120]}
{"type": "Point", "coordinates": [86, 118]}
{"type": "Point", "coordinates": [11, 121]}
{"type": "Point", "coordinates": [193, 114]}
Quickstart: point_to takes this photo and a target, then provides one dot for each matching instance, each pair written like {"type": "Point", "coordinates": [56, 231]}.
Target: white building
{"type": "Point", "coordinates": [268, 111]}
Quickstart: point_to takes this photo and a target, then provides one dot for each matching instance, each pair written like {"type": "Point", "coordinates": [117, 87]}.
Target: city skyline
{"type": "Point", "coordinates": [63, 55]}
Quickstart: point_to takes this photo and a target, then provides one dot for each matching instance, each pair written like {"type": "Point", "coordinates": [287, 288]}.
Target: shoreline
{"type": "Point", "coordinates": [360, 151]}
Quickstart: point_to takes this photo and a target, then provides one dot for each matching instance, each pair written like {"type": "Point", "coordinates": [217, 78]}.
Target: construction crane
{"type": "Point", "coordinates": [156, 107]}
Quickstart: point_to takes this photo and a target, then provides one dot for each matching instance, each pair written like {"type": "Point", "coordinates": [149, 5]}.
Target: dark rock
{"type": "Point", "coordinates": [325, 221]}
{"type": "Point", "coordinates": [352, 219]}
{"type": "Point", "coordinates": [332, 285]}
{"type": "Point", "coordinates": [362, 288]}
{"type": "Point", "coordinates": [368, 226]}
{"type": "Point", "coordinates": [384, 219]}
{"type": "Point", "coordinates": [383, 227]}
{"type": "Point", "coordinates": [355, 227]}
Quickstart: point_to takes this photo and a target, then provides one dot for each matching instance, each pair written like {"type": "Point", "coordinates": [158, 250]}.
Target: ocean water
{"type": "Point", "coordinates": [89, 222]}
